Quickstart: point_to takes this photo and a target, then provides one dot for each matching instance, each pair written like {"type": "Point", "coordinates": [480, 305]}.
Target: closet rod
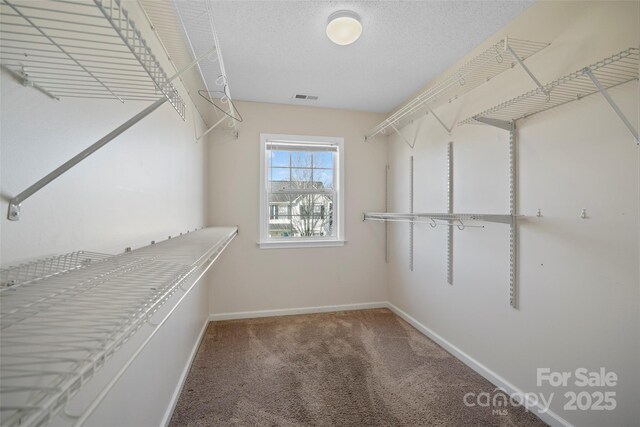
{"type": "Point", "coordinates": [14, 204]}
{"type": "Point", "coordinates": [497, 218]}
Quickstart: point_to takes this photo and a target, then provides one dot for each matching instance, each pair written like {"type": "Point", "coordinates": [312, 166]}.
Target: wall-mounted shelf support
{"type": "Point", "coordinates": [23, 77]}
{"type": "Point", "coordinates": [501, 124]}
{"type": "Point", "coordinates": [386, 209]}
{"type": "Point", "coordinates": [524, 67]}
{"type": "Point", "coordinates": [212, 127]}
{"type": "Point", "coordinates": [14, 203]}
{"type": "Point", "coordinates": [448, 129]}
{"type": "Point", "coordinates": [513, 210]}
{"type": "Point", "coordinates": [402, 136]}
{"type": "Point", "coordinates": [510, 126]}
{"type": "Point", "coordinates": [450, 211]}
{"type": "Point", "coordinates": [411, 211]}
{"type": "Point", "coordinates": [613, 104]}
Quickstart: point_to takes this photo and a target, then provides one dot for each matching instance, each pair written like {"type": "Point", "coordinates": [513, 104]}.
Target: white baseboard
{"type": "Point", "coordinates": [292, 311]}
{"type": "Point", "coordinates": [548, 417]}
{"type": "Point", "coordinates": [183, 378]}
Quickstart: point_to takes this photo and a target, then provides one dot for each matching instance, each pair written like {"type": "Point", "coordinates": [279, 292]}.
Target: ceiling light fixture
{"type": "Point", "coordinates": [344, 27]}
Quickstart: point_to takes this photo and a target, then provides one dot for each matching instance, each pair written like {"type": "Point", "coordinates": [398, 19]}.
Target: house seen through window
{"type": "Point", "coordinates": [301, 186]}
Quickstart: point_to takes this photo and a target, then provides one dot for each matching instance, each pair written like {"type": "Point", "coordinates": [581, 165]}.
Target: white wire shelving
{"type": "Point", "coordinates": [87, 49]}
{"type": "Point", "coordinates": [81, 49]}
{"type": "Point", "coordinates": [505, 54]}
{"type": "Point", "coordinates": [186, 29]}
{"type": "Point", "coordinates": [63, 324]}
{"type": "Point", "coordinates": [610, 72]}
{"type": "Point", "coordinates": [48, 267]}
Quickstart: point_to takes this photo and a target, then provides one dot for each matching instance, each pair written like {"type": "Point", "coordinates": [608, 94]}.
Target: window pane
{"type": "Point", "coordinates": [323, 178]}
{"type": "Point", "coordinates": [301, 159]}
{"type": "Point", "coordinates": [279, 216]}
{"type": "Point", "coordinates": [312, 215]}
{"type": "Point", "coordinates": [279, 178]}
{"type": "Point", "coordinates": [280, 203]}
{"type": "Point", "coordinates": [279, 174]}
{"type": "Point", "coordinates": [280, 230]}
{"type": "Point", "coordinates": [323, 160]}
{"type": "Point", "coordinates": [301, 178]}
{"type": "Point", "coordinates": [278, 158]}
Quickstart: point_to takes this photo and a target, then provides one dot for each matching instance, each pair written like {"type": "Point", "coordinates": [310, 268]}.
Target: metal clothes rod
{"type": "Point", "coordinates": [495, 218]}
{"type": "Point", "coordinates": [483, 67]}
{"type": "Point", "coordinates": [14, 204]}
{"type": "Point", "coordinates": [432, 223]}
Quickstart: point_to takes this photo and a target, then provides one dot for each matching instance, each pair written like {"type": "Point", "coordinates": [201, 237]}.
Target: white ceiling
{"type": "Point", "coordinates": [273, 50]}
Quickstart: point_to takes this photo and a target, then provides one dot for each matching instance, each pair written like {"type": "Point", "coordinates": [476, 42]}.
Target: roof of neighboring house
{"type": "Point", "coordinates": [284, 198]}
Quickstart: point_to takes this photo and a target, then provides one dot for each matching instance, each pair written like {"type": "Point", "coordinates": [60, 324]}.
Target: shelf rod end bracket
{"type": "Point", "coordinates": [23, 77]}
{"type": "Point", "coordinates": [612, 103]}
{"type": "Point", "coordinates": [14, 211]}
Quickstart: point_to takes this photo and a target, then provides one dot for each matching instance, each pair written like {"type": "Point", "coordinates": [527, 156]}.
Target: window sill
{"type": "Point", "coordinates": [301, 244]}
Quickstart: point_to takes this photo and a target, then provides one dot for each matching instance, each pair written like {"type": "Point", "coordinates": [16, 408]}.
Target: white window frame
{"type": "Point", "coordinates": [301, 242]}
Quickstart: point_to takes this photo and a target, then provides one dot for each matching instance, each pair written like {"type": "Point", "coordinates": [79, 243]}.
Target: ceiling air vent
{"type": "Point", "coordinates": [307, 97]}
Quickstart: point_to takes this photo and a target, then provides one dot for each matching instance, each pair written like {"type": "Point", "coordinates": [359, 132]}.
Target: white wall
{"type": "Point", "coordinates": [253, 279]}
{"type": "Point", "coordinates": [579, 278]}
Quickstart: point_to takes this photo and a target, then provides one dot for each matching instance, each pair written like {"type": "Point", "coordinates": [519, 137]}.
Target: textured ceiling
{"type": "Point", "coordinates": [275, 49]}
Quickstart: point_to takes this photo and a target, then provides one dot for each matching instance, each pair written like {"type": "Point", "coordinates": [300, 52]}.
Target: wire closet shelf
{"type": "Point", "coordinates": [187, 29]}
{"type": "Point", "coordinates": [615, 70]}
{"type": "Point", "coordinates": [81, 49]}
{"type": "Point", "coordinates": [68, 315]}
{"type": "Point", "coordinates": [47, 267]}
{"type": "Point", "coordinates": [505, 54]}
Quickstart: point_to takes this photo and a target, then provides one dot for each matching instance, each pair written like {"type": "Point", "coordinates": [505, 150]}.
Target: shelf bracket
{"type": "Point", "coordinates": [440, 121]}
{"type": "Point", "coordinates": [502, 124]}
{"type": "Point", "coordinates": [212, 128]}
{"type": "Point", "coordinates": [612, 103]}
{"type": "Point", "coordinates": [23, 78]}
{"type": "Point", "coordinates": [525, 68]}
{"type": "Point", "coordinates": [14, 203]}
{"type": "Point", "coordinates": [402, 136]}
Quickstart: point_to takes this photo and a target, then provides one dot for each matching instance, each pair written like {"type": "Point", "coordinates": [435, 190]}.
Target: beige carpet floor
{"type": "Point", "coordinates": [358, 368]}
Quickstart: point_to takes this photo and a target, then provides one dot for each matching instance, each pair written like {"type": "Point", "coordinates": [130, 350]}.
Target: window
{"type": "Point", "coordinates": [301, 198]}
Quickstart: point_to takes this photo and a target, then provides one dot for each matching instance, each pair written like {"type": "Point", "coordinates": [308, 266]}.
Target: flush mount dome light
{"type": "Point", "coordinates": [344, 27]}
